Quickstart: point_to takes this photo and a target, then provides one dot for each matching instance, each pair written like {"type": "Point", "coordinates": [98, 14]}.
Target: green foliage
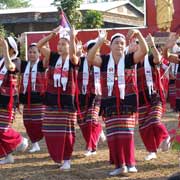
{"type": "Point", "coordinates": [92, 19]}
{"type": "Point", "coordinates": [70, 8]}
{"type": "Point", "coordinates": [3, 31]}
{"type": "Point", "coordinates": [23, 52]}
{"type": "Point", "coordinates": [4, 4]}
{"type": "Point", "coordinates": [138, 2]}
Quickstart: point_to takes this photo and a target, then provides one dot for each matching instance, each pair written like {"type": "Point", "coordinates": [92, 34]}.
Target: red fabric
{"type": "Point", "coordinates": [70, 89]}
{"type": "Point", "coordinates": [172, 95]}
{"type": "Point", "coordinates": [34, 130]}
{"type": "Point", "coordinates": [143, 89]}
{"type": "Point", "coordinates": [60, 145]}
{"type": "Point", "coordinates": [29, 92]}
{"type": "Point", "coordinates": [91, 132]}
{"type": "Point", "coordinates": [59, 98]}
{"type": "Point", "coordinates": [130, 88]}
{"type": "Point", "coordinates": [160, 87]}
{"type": "Point", "coordinates": [153, 136]}
{"type": "Point", "coordinates": [9, 141]}
{"type": "Point", "coordinates": [32, 119]}
{"type": "Point", "coordinates": [121, 149]}
{"type": "Point", "coordinates": [41, 83]}
{"type": "Point", "coordinates": [77, 94]}
{"type": "Point", "coordinates": [117, 92]}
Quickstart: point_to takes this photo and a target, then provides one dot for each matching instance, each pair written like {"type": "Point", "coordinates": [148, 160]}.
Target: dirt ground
{"type": "Point", "coordinates": [39, 166]}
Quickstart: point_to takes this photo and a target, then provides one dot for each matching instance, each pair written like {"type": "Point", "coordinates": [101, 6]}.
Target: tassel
{"type": "Point", "coordinates": [29, 92]}
{"type": "Point", "coordinates": [159, 86]}
{"type": "Point", "coordinates": [77, 94]}
{"type": "Point", "coordinates": [11, 99]}
{"type": "Point", "coordinates": [117, 92]}
{"type": "Point", "coordinates": [143, 89]}
{"type": "Point", "coordinates": [179, 121]}
{"type": "Point", "coordinates": [117, 97]}
{"type": "Point", "coordinates": [59, 98]}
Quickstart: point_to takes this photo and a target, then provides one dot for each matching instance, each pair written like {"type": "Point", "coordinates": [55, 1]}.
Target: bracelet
{"type": "Point", "coordinates": [152, 47]}
{"type": "Point", "coordinates": [53, 33]}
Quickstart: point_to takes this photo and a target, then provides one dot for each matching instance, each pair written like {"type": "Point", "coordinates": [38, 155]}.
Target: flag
{"type": "Point", "coordinates": [64, 21]}
{"type": "Point", "coordinates": [65, 26]}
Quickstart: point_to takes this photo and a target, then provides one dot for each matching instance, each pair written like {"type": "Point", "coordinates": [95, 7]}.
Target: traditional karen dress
{"type": "Point", "coordinates": [175, 133]}
{"type": "Point", "coordinates": [172, 87]}
{"type": "Point", "coordinates": [151, 103]}
{"type": "Point", "coordinates": [32, 92]}
{"type": "Point", "coordinates": [9, 138]}
{"type": "Point", "coordinates": [89, 102]}
{"type": "Point", "coordinates": [60, 113]}
{"type": "Point", "coordinates": [119, 107]}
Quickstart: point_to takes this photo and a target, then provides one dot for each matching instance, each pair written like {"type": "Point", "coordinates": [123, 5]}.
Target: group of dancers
{"type": "Point", "coordinates": [72, 86]}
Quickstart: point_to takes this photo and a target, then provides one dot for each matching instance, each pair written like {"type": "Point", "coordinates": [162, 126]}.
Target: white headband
{"type": "Point", "coordinates": [92, 41]}
{"type": "Point", "coordinates": [117, 35]}
{"type": "Point", "coordinates": [13, 45]}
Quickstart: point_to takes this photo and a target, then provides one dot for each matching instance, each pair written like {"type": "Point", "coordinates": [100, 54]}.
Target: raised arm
{"type": "Point", "coordinates": [91, 56]}
{"type": "Point", "coordinates": [156, 55]}
{"type": "Point", "coordinates": [41, 45]}
{"type": "Point", "coordinates": [72, 47]}
{"type": "Point", "coordinates": [142, 49]}
{"type": "Point", "coordinates": [5, 50]}
{"type": "Point", "coordinates": [169, 44]}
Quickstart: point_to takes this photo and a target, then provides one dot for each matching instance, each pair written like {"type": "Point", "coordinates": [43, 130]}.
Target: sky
{"type": "Point", "coordinates": [41, 3]}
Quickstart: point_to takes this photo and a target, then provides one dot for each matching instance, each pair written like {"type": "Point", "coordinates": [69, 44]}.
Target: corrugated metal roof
{"type": "Point", "coordinates": [103, 6]}
{"type": "Point", "coordinates": [26, 10]}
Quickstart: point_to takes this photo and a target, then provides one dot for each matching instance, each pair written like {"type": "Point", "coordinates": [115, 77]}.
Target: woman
{"type": "Point", "coordinates": [174, 58]}
{"type": "Point", "coordinates": [89, 95]}
{"type": "Point", "coordinates": [119, 97]}
{"type": "Point", "coordinates": [32, 91]}
{"type": "Point", "coordinates": [10, 139]}
{"type": "Point", "coordinates": [151, 103]}
{"type": "Point", "coordinates": [60, 113]}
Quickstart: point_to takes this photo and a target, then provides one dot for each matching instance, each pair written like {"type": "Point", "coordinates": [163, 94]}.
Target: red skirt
{"type": "Point", "coordinates": [9, 138]}
{"type": "Point", "coordinates": [90, 126]}
{"type": "Point", "coordinates": [120, 138]}
{"type": "Point", "coordinates": [59, 132]}
{"type": "Point", "coordinates": [33, 118]}
{"type": "Point", "coordinates": [153, 132]}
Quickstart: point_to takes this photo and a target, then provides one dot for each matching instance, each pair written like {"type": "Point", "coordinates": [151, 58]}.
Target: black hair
{"type": "Point", "coordinates": [9, 45]}
{"type": "Point", "coordinates": [90, 46]}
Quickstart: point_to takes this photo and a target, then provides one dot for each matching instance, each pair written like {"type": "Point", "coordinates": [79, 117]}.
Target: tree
{"type": "Point", "coordinates": [4, 4]}
{"type": "Point", "coordinates": [3, 31]}
{"type": "Point", "coordinates": [138, 2]}
{"type": "Point", "coordinates": [92, 19]}
{"type": "Point", "coordinates": [70, 7]}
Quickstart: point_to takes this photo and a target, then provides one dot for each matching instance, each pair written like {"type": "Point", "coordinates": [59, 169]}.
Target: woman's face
{"type": "Point", "coordinates": [63, 46]}
{"type": "Point", "coordinates": [33, 53]}
{"type": "Point", "coordinates": [118, 46]}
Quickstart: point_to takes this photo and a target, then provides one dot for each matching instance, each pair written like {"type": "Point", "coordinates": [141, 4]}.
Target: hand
{"type": "Point", "coordinates": [56, 30]}
{"type": "Point", "coordinates": [132, 46]}
{"type": "Point", "coordinates": [79, 45]}
{"type": "Point", "coordinates": [132, 33]}
{"type": "Point", "coordinates": [102, 35]}
{"type": "Point", "coordinates": [73, 32]}
{"type": "Point", "coordinates": [171, 40]}
{"type": "Point", "coordinates": [3, 43]}
{"type": "Point", "coordinates": [150, 40]}
{"type": "Point", "coordinates": [21, 38]}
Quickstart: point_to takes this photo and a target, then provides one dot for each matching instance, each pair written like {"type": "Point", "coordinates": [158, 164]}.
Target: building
{"type": "Point", "coordinates": [115, 14]}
